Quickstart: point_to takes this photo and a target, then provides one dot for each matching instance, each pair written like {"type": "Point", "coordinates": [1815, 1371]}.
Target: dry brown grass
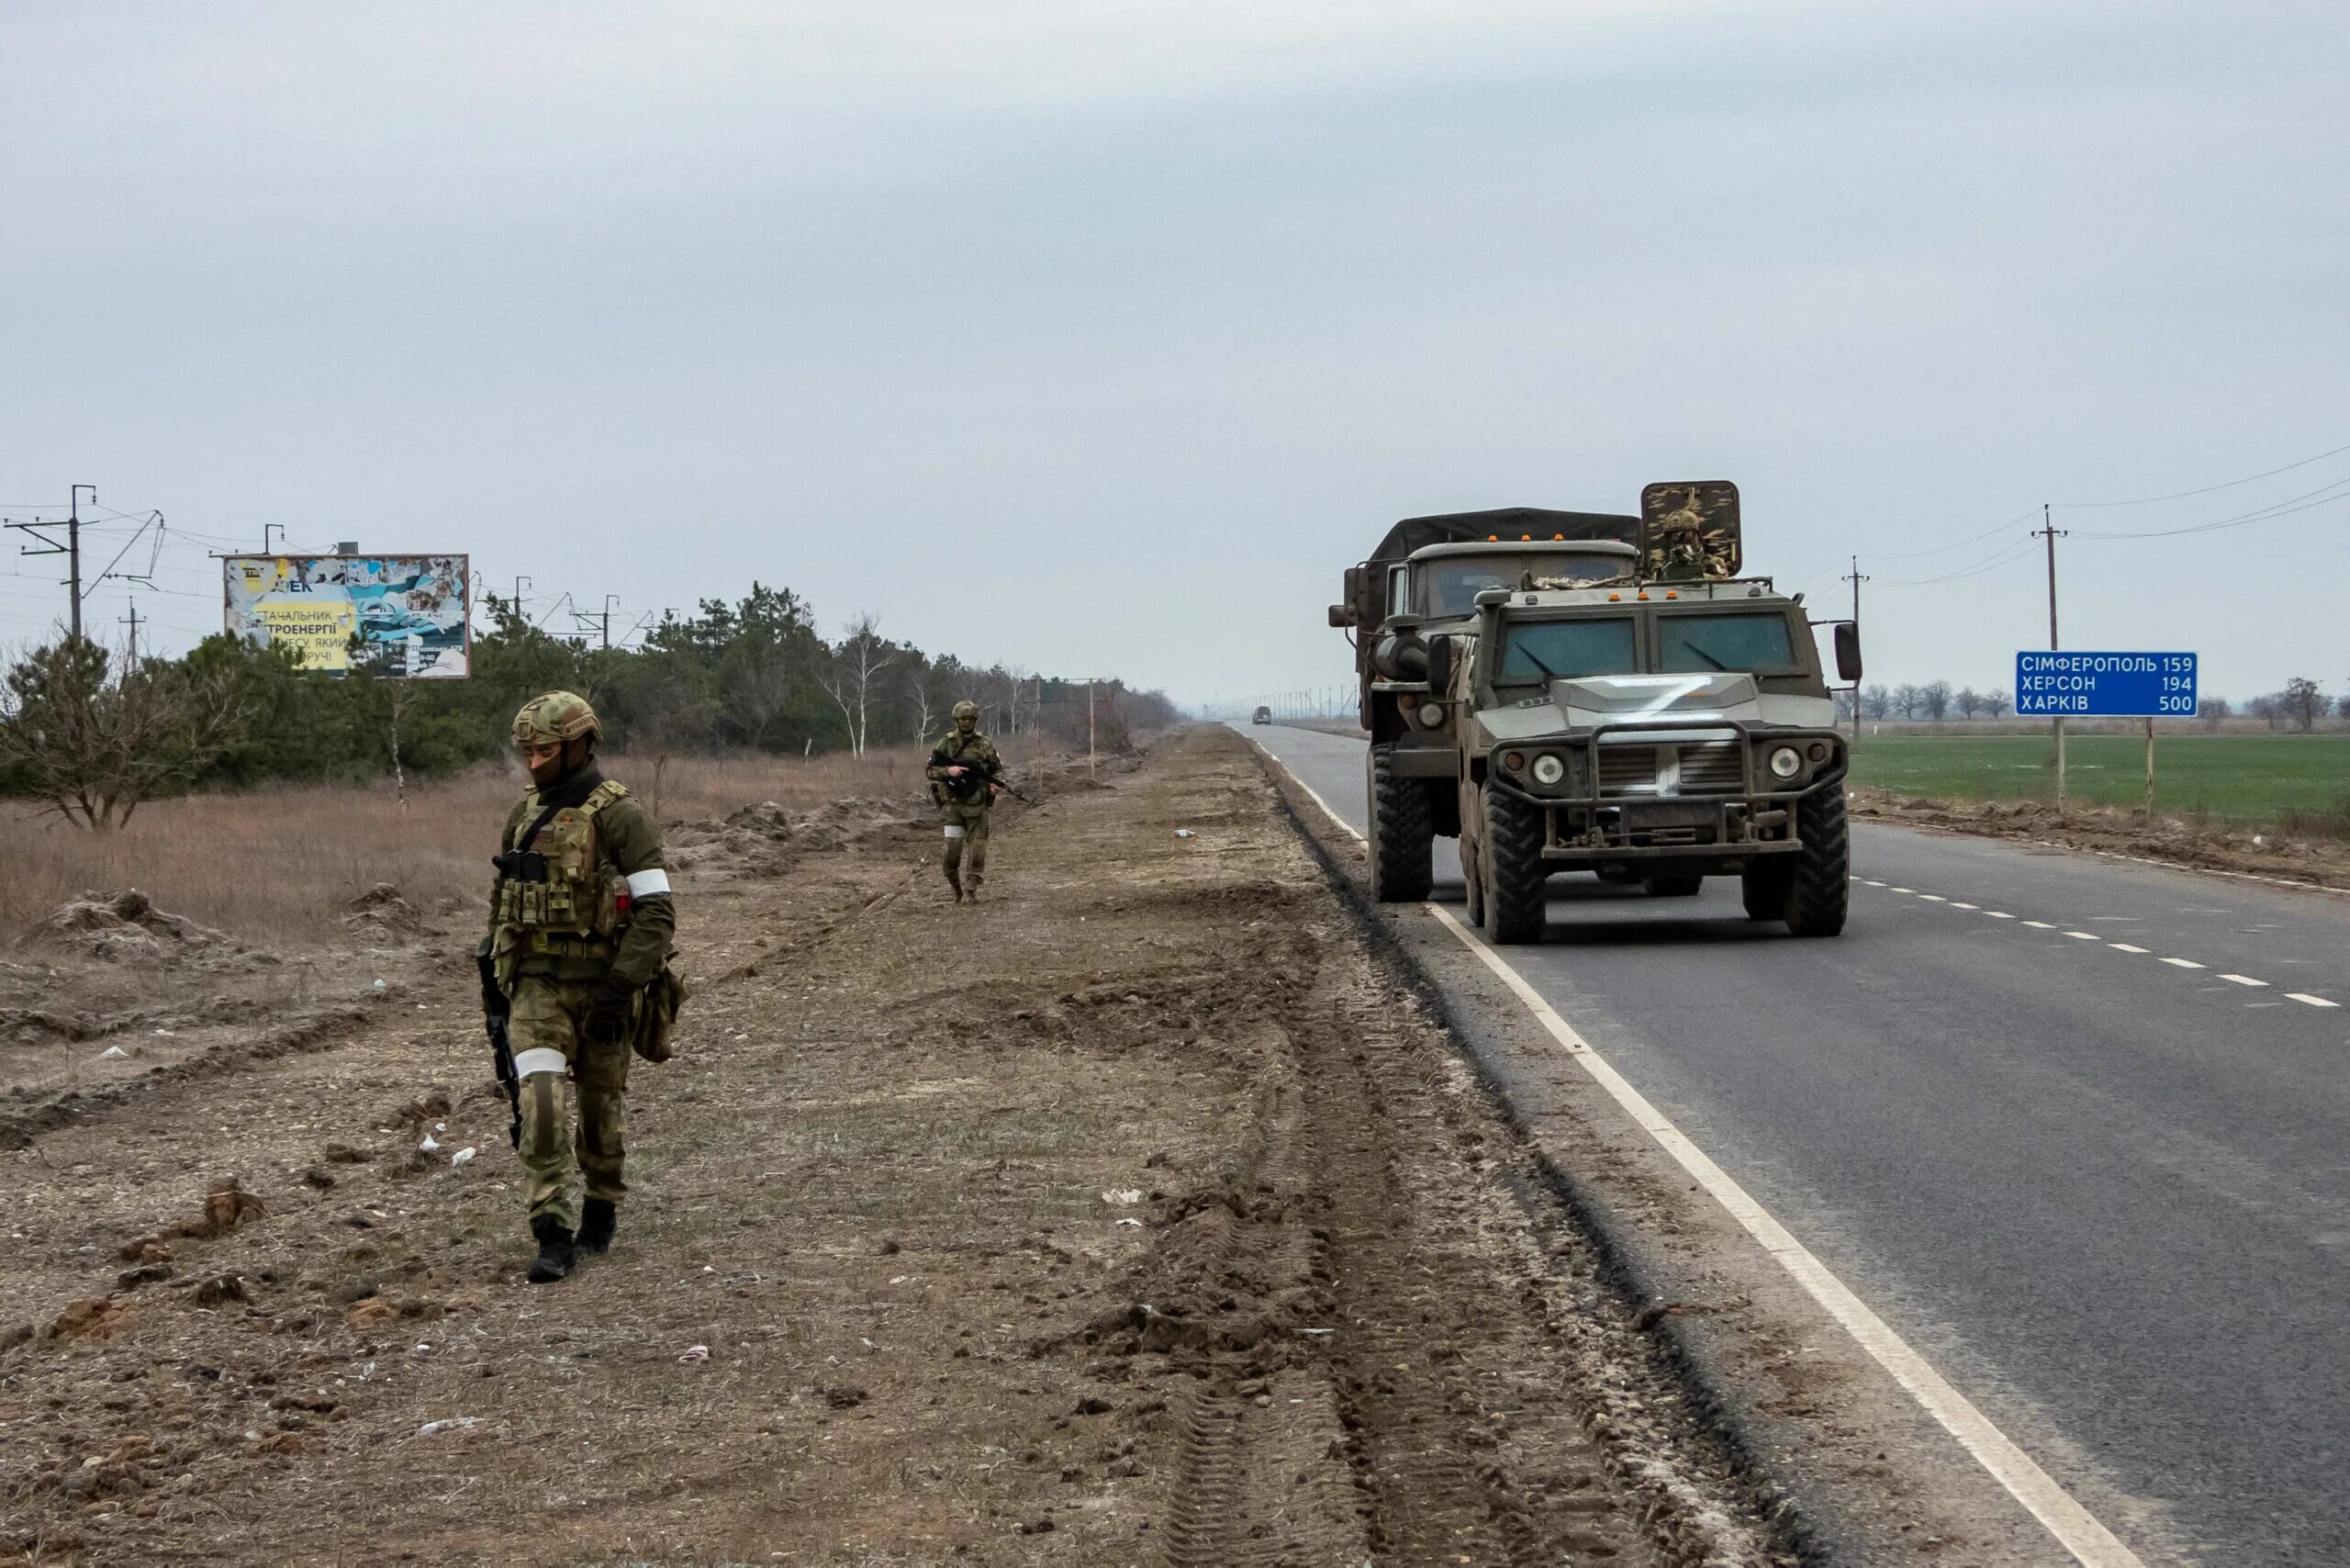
{"type": "Point", "coordinates": [281, 865]}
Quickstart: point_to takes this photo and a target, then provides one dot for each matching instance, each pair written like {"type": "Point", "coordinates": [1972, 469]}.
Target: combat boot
{"type": "Point", "coordinates": [955, 882]}
{"type": "Point", "coordinates": [557, 1256]}
{"type": "Point", "coordinates": [596, 1218]}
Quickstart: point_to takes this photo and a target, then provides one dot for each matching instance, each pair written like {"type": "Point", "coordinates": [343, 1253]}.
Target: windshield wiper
{"type": "Point", "coordinates": [1535, 659]}
{"type": "Point", "coordinates": [1692, 647]}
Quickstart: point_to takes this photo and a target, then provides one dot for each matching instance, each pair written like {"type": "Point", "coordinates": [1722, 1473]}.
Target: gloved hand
{"type": "Point", "coordinates": [494, 1004]}
{"type": "Point", "coordinates": [608, 1011]}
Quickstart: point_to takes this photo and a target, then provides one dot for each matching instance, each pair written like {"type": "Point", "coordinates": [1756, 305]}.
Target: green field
{"type": "Point", "coordinates": [2252, 779]}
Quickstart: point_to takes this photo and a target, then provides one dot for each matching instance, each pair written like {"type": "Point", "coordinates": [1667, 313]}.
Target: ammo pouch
{"type": "Point", "coordinates": [656, 1018]}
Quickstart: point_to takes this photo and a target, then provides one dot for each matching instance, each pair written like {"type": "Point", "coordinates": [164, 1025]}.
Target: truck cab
{"type": "Point", "coordinates": [1419, 590]}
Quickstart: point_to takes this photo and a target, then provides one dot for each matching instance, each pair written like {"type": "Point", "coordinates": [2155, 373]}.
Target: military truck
{"type": "Point", "coordinates": [1664, 727]}
{"type": "Point", "coordinates": [1264, 715]}
{"type": "Point", "coordinates": [1417, 589]}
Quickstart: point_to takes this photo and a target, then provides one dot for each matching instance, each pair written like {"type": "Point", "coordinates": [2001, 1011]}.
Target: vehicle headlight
{"type": "Point", "coordinates": [1786, 762]}
{"type": "Point", "coordinates": [1431, 714]}
{"type": "Point", "coordinates": [1548, 768]}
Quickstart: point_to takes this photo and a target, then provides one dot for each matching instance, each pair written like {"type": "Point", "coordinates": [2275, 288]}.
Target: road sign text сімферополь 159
{"type": "Point", "coordinates": [2055, 684]}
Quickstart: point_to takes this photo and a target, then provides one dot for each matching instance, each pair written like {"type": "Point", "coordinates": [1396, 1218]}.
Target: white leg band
{"type": "Point", "coordinates": [954, 830]}
{"type": "Point", "coordinates": [538, 1058]}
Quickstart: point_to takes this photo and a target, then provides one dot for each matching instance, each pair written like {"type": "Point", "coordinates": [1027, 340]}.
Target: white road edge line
{"type": "Point", "coordinates": [2312, 1000]}
{"type": "Point", "coordinates": [2075, 1528]}
{"type": "Point", "coordinates": [1310, 793]}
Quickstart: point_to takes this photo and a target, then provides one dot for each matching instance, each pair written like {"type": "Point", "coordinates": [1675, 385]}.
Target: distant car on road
{"type": "Point", "coordinates": [1261, 716]}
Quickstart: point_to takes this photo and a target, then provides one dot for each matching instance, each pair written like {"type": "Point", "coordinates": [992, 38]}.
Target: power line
{"type": "Point", "coordinates": [2285, 508]}
{"type": "Point", "coordinates": [2229, 485]}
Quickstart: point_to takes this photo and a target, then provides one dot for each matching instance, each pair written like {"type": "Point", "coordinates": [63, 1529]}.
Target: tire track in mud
{"type": "Point", "coordinates": [1394, 1349]}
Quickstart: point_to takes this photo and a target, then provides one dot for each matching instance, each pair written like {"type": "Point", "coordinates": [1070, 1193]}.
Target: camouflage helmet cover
{"type": "Point", "coordinates": [553, 718]}
{"type": "Point", "coordinates": [966, 710]}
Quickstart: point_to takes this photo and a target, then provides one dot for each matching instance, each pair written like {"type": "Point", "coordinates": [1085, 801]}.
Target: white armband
{"type": "Point", "coordinates": [647, 884]}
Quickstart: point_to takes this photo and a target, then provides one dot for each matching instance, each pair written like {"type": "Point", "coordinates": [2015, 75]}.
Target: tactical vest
{"type": "Point", "coordinates": [567, 900]}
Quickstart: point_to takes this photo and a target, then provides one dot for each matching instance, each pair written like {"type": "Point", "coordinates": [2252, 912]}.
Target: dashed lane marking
{"type": "Point", "coordinates": [2075, 1528]}
{"type": "Point", "coordinates": [2093, 936]}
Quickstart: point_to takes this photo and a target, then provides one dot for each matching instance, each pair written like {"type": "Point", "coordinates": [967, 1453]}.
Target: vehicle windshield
{"type": "Point", "coordinates": [1736, 641]}
{"type": "Point", "coordinates": [1449, 585]}
{"type": "Point", "coordinates": [1547, 650]}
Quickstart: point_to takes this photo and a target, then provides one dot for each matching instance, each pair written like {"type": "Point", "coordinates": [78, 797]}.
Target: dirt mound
{"type": "Point", "coordinates": [2114, 829]}
{"type": "Point", "coordinates": [765, 840]}
{"type": "Point", "coordinates": [127, 927]}
{"type": "Point", "coordinates": [382, 915]}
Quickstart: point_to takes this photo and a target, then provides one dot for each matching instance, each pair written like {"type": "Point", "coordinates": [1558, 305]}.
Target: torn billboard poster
{"type": "Point", "coordinates": [394, 615]}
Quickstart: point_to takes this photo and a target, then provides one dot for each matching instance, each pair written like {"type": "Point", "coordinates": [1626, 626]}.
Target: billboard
{"type": "Point", "coordinates": [407, 616]}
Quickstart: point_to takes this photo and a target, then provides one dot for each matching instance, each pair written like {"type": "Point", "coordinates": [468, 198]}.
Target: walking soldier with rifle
{"type": "Point", "coordinates": [965, 774]}
{"type": "Point", "coordinates": [575, 974]}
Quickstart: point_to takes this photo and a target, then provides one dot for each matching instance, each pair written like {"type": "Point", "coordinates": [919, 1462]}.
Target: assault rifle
{"type": "Point", "coordinates": [501, 1053]}
{"type": "Point", "coordinates": [973, 780]}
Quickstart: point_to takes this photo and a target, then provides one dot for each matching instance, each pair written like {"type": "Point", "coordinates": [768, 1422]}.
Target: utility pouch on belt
{"type": "Point", "coordinates": [656, 1014]}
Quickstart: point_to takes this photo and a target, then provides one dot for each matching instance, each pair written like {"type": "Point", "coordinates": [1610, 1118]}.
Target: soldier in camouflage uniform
{"type": "Point", "coordinates": [580, 923]}
{"type": "Point", "coordinates": [964, 774]}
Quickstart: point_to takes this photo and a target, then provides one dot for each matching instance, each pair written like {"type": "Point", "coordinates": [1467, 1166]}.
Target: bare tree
{"type": "Point", "coordinates": [1995, 701]}
{"type": "Point", "coordinates": [96, 746]}
{"type": "Point", "coordinates": [1969, 700]}
{"type": "Point", "coordinates": [2214, 710]}
{"type": "Point", "coordinates": [1907, 700]}
{"type": "Point", "coordinates": [1875, 702]}
{"type": "Point", "coordinates": [858, 664]}
{"type": "Point", "coordinates": [2302, 702]}
{"type": "Point", "coordinates": [1935, 699]}
{"type": "Point", "coordinates": [918, 687]}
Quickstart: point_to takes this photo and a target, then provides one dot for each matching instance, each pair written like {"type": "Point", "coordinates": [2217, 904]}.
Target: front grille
{"type": "Point", "coordinates": [1712, 767]}
{"type": "Point", "coordinates": [1628, 770]}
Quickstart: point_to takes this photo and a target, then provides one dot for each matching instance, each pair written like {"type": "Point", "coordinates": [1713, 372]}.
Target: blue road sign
{"type": "Point", "coordinates": [2112, 686]}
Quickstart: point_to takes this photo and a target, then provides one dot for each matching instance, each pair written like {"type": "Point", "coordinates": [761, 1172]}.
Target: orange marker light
{"type": "Point", "coordinates": [1614, 597]}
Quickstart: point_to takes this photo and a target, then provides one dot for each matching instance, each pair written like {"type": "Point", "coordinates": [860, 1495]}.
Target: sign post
{"type": "Point", "coordinates": [2058, 685]}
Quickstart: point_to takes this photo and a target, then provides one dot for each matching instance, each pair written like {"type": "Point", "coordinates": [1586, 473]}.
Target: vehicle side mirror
{"type": "Point", "coordinates": [1848, 652]}
{"type": "Point", "coordinates": [1440, 664]}
{"type": "Point", "coordinates": [1342, 615]}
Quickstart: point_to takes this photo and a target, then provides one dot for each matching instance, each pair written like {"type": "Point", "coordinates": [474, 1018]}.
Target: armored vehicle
{"type": "Point", "coordinates": [1667, 726]}
{"type": "Point", "coordinates": [1419, 588]}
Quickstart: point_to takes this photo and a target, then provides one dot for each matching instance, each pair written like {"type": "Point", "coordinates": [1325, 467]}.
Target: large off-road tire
{"type": "Point", "coordinates": [1821, 883]}
{"type": "Point", "coordinates": [1402, 832]}
{"type": "Point", "coordinates": [1514, 871]}
{"type": "Point", "coordinates": [1674, 887]}
{"type": "Point", "coordinates": [1765, 887]}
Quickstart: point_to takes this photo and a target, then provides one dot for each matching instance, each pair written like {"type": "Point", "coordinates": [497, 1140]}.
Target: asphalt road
{"type": "Point", "coordinates": [2078, 1128]}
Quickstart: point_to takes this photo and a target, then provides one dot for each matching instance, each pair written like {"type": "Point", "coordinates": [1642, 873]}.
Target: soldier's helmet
{"type": "Point", "coordinates": [966, 710]}
{"type": "Point", "coordinates": [556, 717]}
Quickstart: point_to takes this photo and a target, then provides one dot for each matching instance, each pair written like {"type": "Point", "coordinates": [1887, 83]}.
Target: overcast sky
{"type": "Point", "coordinates": [1101, 337]}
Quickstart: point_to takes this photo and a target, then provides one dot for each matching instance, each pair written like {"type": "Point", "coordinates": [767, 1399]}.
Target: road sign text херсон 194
{"type": "Point", "coordinates": [2104, 685]}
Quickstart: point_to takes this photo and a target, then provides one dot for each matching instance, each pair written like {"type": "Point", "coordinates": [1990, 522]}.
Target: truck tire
{"type": "Point", "coordinates": [1820, 885]}
{"type": "Point", "coordinates": [1764, 888]}
{"type": "Point", "coordinates": [1514, 871]}
{"type": "Point", "coordinates": [1674, 887]}
{"type": "Point", "coordinates": [1403, 834]}
{"type": "Point", "coordinates": [1472, 877]}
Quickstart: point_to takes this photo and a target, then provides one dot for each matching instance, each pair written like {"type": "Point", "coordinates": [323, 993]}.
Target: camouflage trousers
{"type": "Point", "coordinates": [967, 824]}
{"type": "Point", "coordinates": [557, 1064]}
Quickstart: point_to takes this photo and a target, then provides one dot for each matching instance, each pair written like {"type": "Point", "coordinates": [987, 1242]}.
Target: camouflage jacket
{"type": "Point", "coordinates": [628, 847]}
{"type": "Point", "coordinates": [975, 751]}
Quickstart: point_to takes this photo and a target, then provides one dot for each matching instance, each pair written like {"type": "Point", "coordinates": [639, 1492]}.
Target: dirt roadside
{"type": "Point", "coordinates": [1133, 1215]}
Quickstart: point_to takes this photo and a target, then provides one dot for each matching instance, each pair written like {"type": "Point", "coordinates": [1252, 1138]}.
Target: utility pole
{"type": "Point", "coordinates": [71, 549]}
{"type": "Point", "coordinates": [1856, 578]}
{"type": "Point", "coordinates": [607, 620]}
{"type": "Point", "coordinates": [521, 582]}
{"type": "Point", "coordinates": [133, 657]}
{"type": "Point", "coordinates": [2048, 531]}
